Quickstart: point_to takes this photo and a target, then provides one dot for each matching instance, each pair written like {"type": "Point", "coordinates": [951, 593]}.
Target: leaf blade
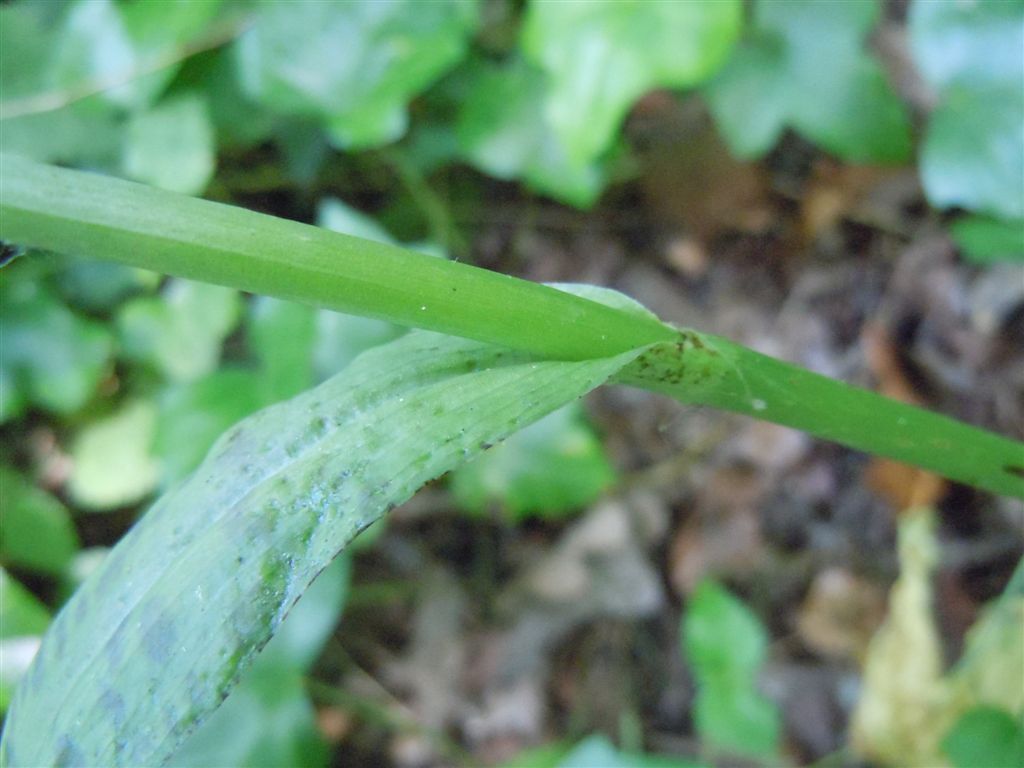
{"type": "Point", "coordinates": [194, 590]}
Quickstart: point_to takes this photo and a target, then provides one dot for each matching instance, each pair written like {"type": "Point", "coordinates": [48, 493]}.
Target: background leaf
{"type": "Point", "coordinates": [37, 531]}
{"type": "Point", "coordinates": [726, 644]}
{"type": "Point", "coordinates": [601, 57]}
{"type": "Point", "coordinates": [504, 130]}
{"type": "Point", "coordinates": [549, 468]}
{"type": "Point", "coordinates": [171, 145]}
{"type": "Point", "coordinates": [113, 462]}
{"type": "Point", "coordinates": [804, 65]}
{"type": "Point", "coordinates": [353, 64]}
{"type": "Point", "coordinates": [52, 357]}
{"type": "Point", "coordinates": [973, 55]}
{"type": "Point", "coordinates": [180, 332]}
{"type": "Point", "coordinates": [985, 736]}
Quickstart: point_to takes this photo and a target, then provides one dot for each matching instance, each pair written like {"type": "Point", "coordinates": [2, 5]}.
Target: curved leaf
{"type": "Point", "coordinates": [156, 638]}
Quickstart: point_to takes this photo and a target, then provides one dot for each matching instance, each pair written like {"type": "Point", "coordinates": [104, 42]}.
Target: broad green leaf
{"type": "Point", "coordinates": [113, 465]}
{"type": "Point", "coordinates": [37, 532]}
{"type": "Point", "coordinates": [726, 644]}
{"type": "Point", "coordinates": [355, 65]}
{"type": "Point", "coordinates": [549, 468]}
{"type": "Point", "coordinates": [985, 736]}
{"type": "Point", "coordinates": [21, 613]}
{"type": "Point", "coordinates": [504, 131]}
{"type": "Point", "coordinates": [179, 333]}
{"type": "Point", "coordinates": [268, 719]}
{"type": "Point", "coordinates": [804, 65]}
{"type": "Point", "coordinates": [51, 356]}
{"type": "Point", "coordinates": [602, 57]}
{"type": "Point", "coordinates": [986, 240]}
{"type": "Point", "coordinates": [158, 635]}
{"type": "Point", "coordinates": [192, 415]}
{"type": "Point", "coordinates": [171, 145]}
{"type": "Point", "coordinates": [973, 55]}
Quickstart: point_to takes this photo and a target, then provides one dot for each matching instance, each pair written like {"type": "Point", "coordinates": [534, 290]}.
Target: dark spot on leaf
{"type": "Point", "coordinates": [1016, 470]}
{"type": "Point", "coordinates": [113, 704]}
{"type": "Point", "coordinates": [159, 639]}
{"type": "Point", "coordinates": [68, 754]}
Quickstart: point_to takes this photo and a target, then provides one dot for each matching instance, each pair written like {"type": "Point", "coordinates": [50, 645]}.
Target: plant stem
{"type": "Point", "coordinates": [83, 214]}
{"type": "Point", "coordinates": [89, 215]}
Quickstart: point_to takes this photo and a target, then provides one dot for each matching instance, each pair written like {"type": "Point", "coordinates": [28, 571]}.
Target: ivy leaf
{"type": "Point", "coordinates": [504, 131]}
{"type": "Point", "coordinates": [602, 57]}
{"type": "Point", "coordinates": [180, 332]}
{"type": "Point", "coordinates": [985, 736]}
{"type": "Point", "coordinates": [84, 131]}
{"type": "Point", "coordinates": [726, 644]}
{"type": "Point", "coordinates": [157, 636]}
{"type": "Point", "coordinates": [103, 43]}
{"type": "Point", "coordinates": [51, 356]}
{"type": "Point", "coordinates": [973, 55]}
{"type": "Point", "coordinates": [37, 530]}
{"type": "Point", "coordinates": [552, 467]}
{"type": "Point", "coordinates": [171, 145]}
{"type": "Point", "coordinates": [355, 65]}
{"type": "Point", "coordinates": [113, 462]}
{"type": "Point", "coordinates": [804, 65]}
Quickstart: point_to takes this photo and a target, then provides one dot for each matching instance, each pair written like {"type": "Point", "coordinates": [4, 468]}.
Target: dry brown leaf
{"type": "Point", "coordinates": [903, 711]}
{"type": "Point", "coordinates": [840, 614]}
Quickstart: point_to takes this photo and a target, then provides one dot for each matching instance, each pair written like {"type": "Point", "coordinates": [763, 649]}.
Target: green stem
{"type": "Point", "coordinates": [83, 214]}
{"type": "Point", "coordinates": [88, 215]}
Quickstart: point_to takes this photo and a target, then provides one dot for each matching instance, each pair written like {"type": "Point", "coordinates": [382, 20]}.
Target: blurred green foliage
{"type": "Point", "coordinates": [726, 645]}
{"type": "Point", "coordinates": [550, 467]}
{"type": "Point", "coordinates": [985, 736]}
{"type": "Point", "coordinates": [805, 65]}
{"type": "Point", "coordinates": [138, 376]}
